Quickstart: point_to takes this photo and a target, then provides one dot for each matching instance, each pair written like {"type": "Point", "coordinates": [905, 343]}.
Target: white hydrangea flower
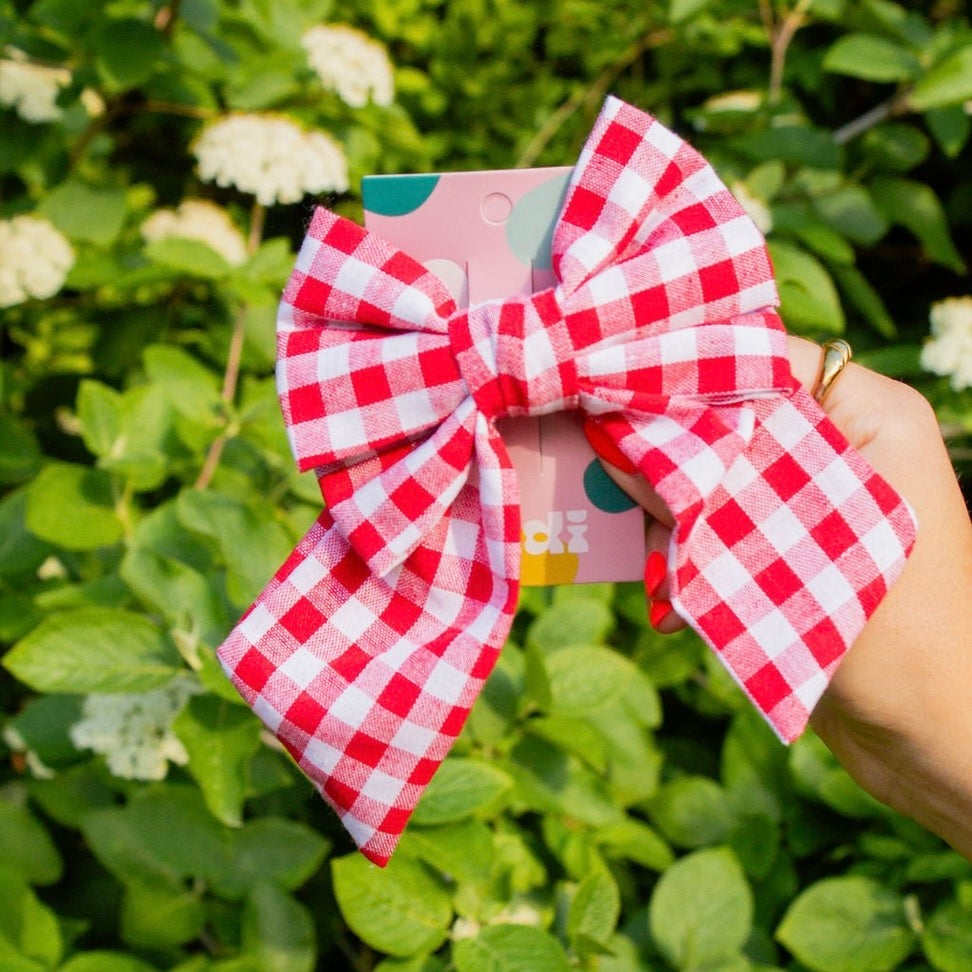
{"type": "Point", "coordinates": [34, 259]}
{"type": "Point", "coordinates": [31, 89]}
{"type": "Point", "coordinates": [755, 208]}
{"type": "Point", "coordinates": [949, 351]}
{"type": "Point", "coordinates": [350, 63]}
{"type": "Point", "coordinates": [271, 157]}
{"type": "Point", "coordinates": [134, 732]}
{"type": "Point", "coordinates": [199, 219]}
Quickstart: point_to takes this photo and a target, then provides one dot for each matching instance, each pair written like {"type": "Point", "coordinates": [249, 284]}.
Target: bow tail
{"type": "Point", "coordinates": [780, 565]}
{"type": "Point", "coordinates": [367, 680]}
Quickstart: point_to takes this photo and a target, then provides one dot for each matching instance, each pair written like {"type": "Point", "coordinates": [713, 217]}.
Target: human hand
{"type": "Point", "coordinates": [897, 713]}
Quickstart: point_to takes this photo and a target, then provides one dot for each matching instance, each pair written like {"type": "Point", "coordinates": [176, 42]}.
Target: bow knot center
{"type": "Point", "coordinates": [516, 355]}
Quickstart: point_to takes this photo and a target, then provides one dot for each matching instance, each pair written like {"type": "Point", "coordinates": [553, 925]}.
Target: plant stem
{"type": "Point", "coordinates": [897, 105]}
{"type": "Point", "coordinates": [231, 374]}
{"type": "Point", "coordinates": [780, 38]}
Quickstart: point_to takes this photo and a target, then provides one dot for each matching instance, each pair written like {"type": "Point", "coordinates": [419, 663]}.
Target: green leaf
{"type": "Point", "coordinates": [401, 910]}
{"type": "Point", "coordinates": [949, 82]}
{"type": "Point", "coordinates": [679, 10]}
{"type": "Point", "coordinates": [851, 211]}
{"type": "Point", "coordinates": [587, 679]}
{"type": "Point", "coordinates": [284, 852]}
{"type": "Point", "coordinates": [847, 924]}
{"type": "Point", "coordinates": [26, 847]}
{"type": "Point", "coordinates": [459, 789]}
{"type": "Point", "coordinates": [43, 724]}
{"type": "Point", "coordinates": [20, 457]}
{"type": "Point", "coordinates": [808, 297]}
{"type": "Point", "coordinates": [594, 909]}
{"type": "Point", "coordinates": [866, 300]}
{"type": "Point", "coordinates": [946, 938]}
{"type": "Point", "coordinates": [633, 840]}
{"type": "Point", "coordinates": [190, 386]}
{"type": "Point", "coordinates": [896, 146]}
{"type": "Point", "coordinates": [94, 649]}
{"type": "Point", "coordinates": [100, 413]}
{"type": "Point", "coordinates": [127, 52]}
{"type": "Point", "coordinates": [189, 256]}
{"type": "Point", "coordinates": [279, 930]}
{"type": "Point", "coordinates": [92, 214]}
{"type": "Point", "coordinates": [164, 835]}
{"type": "Point", "coordinates": [103, 961]}
{"type": "Point", "coordinates": [575, 622]}
{"type": "Point", "coordinates": [463, 850]}
{"type": "Point", "coordinates": [158, 915]}
{"type": "Point", "coordinates": [871, 58]}
{"type": "Point", "coordinates": [692, 811]}
{"type": "Point", "coordinates": [73, 507]}
{"type": "Point", "coordinates": [950, 126]}
{"type": "Point", "coordinates": [510, 948]}
{"type": "Point", "coordinates": [26, 923]}
{"type": "Point", "coordinates": [252, 541]}
{"type": "Point", "coordinates": [915, 206]}
{"type": "Point", "coordinates": [73, 793]}
{"type": "Point", "coordinates": [794, 144]}
{"type": "Point", "coordinates": [701, 910]}
{"type": "Point", "coordinates": [220, 739]}
{"type": "Point", "coordinates": [575, 735]}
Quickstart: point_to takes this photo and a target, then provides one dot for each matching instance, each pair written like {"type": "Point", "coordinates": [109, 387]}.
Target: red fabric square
{"type": "Point", "coordinates": [618, 143]}
{"type": "Point", "coordinates": [254, 670]}
{"type": "Point", "coordinates": [412, 499]}
{"type": "Point", "coordinates": [399, 695]}
{"type": "Point", "coordinates": [370, 385]}
{"type": "Point", "coordinates": [833, 535]}
{"type": "Point", "coordinates": [351, 663]}
{"type": "Point", "coordinates": [305, 403]}
{"type": "Point", "coordinates": [366, 749]}
{"type": "Point", "coordinates": [717, 374]}
{"type": "Point", "coordinates": [403, 268]}
{"type": "Point", "coordinates": [303, 620]}
{"type": "Point", "coordinates": [583, 208]}
{"type": "Point", "coordinates": [721, 623]}
{"type": "Point", "coordinates": [825, 642]}
{"type": "Point", "coordinates": [312, 295]}
{"type": "Point", "coordinates": [786, 476]}
{"type": "Point", "coordinates": [650, 305]}
{"type": "Point", "coordinates": [423, 772]}
{"type": "Point", "coordinates": [731, 523]}
{"type": "Point", "coordinates": [344, 235]}
{"type": "Point", "coordinates": [718, 280]}
{"type": "Point", "coordinates": [778, 581]}
{"type": "Point", "coordinates": [402, 611]}
{"type": "Point", "coordinates": [768, 687]}
{"type": "Point", "coordinates": [306, 713]}
{"type": "Point", "coordinates": [694, 219]}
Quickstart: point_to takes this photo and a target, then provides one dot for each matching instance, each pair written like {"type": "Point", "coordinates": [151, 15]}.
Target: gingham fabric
{"type": "Point", "coordinates": [366, 651]}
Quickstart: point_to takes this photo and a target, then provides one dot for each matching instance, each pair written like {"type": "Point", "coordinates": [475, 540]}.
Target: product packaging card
{"type": "Point", "coordinates": [487, 235]}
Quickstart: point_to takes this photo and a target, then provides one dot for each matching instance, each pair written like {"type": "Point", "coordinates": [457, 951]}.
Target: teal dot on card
{"type": "Point", "coordinates": [396, 195]}
{"type": "Point", "coordinates": [529, 229]}
{"type": "Point", "coordinates": [603, 492]}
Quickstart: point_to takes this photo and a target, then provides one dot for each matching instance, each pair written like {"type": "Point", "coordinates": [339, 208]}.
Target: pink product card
{"type": "Point", "coordinates": [487, 235]}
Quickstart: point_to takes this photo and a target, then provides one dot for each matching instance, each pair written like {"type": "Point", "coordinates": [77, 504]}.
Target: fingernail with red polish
{"type": "Point", "coordinates": [606, 448]}
{"type": "Point", "coordinates": [656, 568]}
{"type": "Point", "coordinates": [658, 612]}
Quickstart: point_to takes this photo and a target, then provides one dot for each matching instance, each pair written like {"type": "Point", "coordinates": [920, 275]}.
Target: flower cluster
{"type": "Point", "coordinates": [350, 63]}
{"type": "Point", "coordinates": [31, 89]}
{"type": "Point", "coordinates": [199, 219]}
{"type": "Point", "coordinates": [134, 732]}
{"type": "Point", "coordinates": [34, 259]}
{"type": "Point", "coordinates": [949, 352]}
{"type": "Point", "coordinates": [271, 157]}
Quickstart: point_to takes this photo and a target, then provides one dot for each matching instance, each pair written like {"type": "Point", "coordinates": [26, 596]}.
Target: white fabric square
{"type": "Point", "coordinates": [352, 707]}
{"type": "Point", "coordinates": [413, 738]}
{"type": "Point", "coordinates": [256, 624]}
{"type": "Point", "coordinates": [445, 682]}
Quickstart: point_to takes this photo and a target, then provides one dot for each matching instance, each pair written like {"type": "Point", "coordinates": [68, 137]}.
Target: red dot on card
{"type": "Point", "coordinates": [496, 208]}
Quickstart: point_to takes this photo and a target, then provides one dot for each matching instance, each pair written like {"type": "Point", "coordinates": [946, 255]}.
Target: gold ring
{"type": "Point", "coordinates": [836, 354]}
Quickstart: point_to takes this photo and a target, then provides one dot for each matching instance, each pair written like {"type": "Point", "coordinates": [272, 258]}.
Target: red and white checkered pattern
{"type": "Point", "coordinates": [366, 651]}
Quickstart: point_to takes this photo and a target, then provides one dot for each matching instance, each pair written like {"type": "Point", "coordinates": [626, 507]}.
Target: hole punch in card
{"type": "Point", "coordinates": [487, 235]}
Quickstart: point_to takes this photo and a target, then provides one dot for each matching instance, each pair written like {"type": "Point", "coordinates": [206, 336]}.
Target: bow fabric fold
{"type": "Point", "coordinates": [366, 651]}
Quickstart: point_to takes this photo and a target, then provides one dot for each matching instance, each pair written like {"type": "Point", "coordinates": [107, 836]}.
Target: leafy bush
{"type": "Point", "coordinates": [641, 818]}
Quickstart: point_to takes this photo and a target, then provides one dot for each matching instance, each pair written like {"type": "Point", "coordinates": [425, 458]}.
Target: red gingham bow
{"type": "Point", "coordinates": [367, 649]}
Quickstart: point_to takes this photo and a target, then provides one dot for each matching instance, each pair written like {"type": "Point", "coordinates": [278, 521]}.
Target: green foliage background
{"type": "Point", "coordinates": [613, 804]}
